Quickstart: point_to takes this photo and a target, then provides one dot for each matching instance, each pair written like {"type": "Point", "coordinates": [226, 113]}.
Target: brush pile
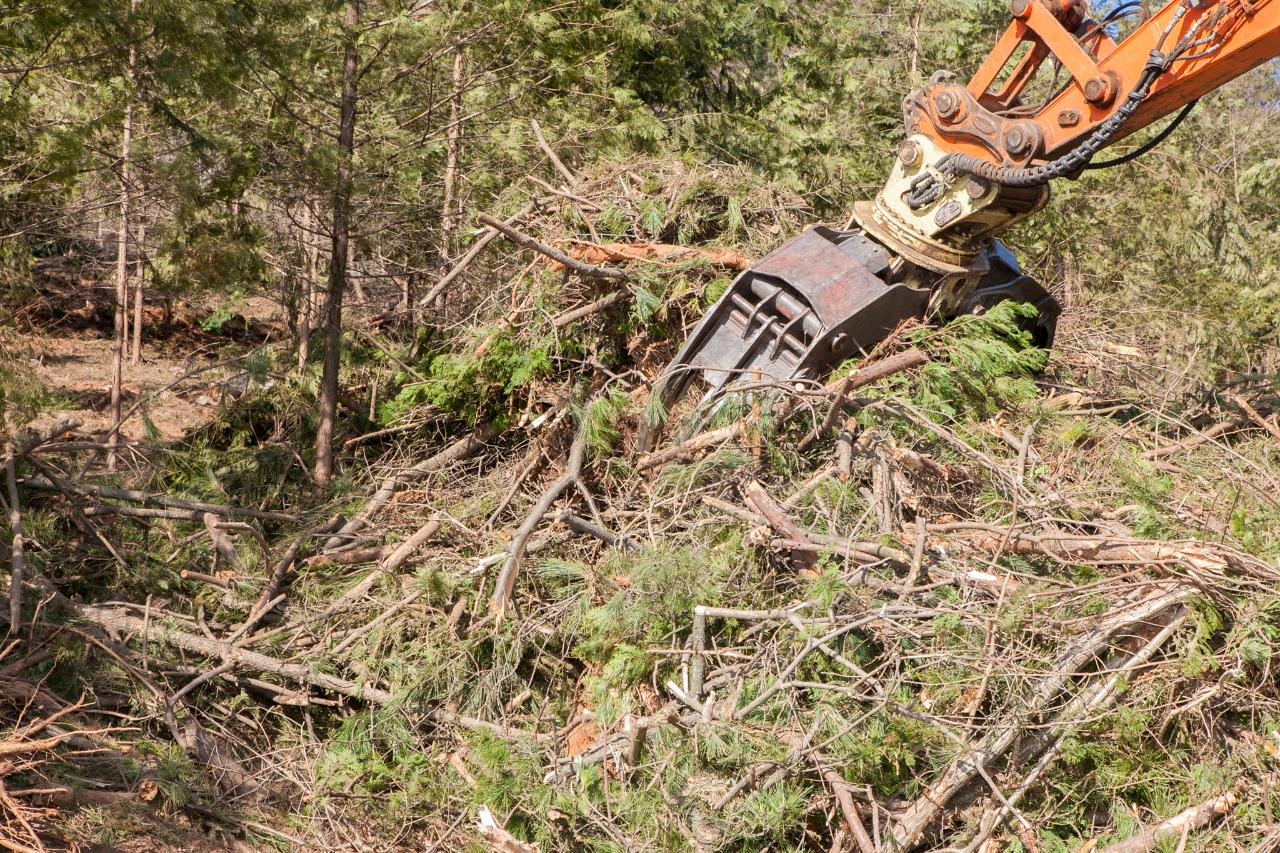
{"type": "Point", "coordinates": [966, 595]}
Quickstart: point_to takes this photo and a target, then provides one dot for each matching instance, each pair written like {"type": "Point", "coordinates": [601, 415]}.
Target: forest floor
{"type": "Point", "coordinates": [966, 595]}
{"type": "Point", "coordinates": [67, 328]}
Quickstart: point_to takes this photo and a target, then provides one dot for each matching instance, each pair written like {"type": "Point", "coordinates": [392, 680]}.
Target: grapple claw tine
{"type": "Point", "coordinates": [809, 305]}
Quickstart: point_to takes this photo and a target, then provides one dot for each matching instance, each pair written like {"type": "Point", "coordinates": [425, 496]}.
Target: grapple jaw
{"type": "Point", "coordinates": [823, 297]}
{"type": "Point", "coordinates": [817, 300]}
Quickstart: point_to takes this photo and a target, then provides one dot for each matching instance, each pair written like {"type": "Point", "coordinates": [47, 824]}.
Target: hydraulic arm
{"type": "Point", "coordinates": [1056, 89]}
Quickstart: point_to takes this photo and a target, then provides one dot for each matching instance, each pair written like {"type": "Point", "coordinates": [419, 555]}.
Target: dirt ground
{"type": "Point", "coordinates": [66, 329]}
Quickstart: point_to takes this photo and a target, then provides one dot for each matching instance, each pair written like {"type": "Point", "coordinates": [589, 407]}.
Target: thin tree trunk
{"type": "Point", "coordinates": [338, 256]}
{"type": "Point", "coordinates": [307, 296]}
{"type": "Point", "coordinates": [354, 278]}
{"type": "Point", "coordinates": [122, 269]}
{"type": "Point", "coordinates": [139, 292]}
{"type": "Point", "coordinates": [448, 216]}
{"type": "Point", "coordinates": [17, 559]}
{"type": "Point", "coordinates": [449, 222]}
{"type": "Point", "coordinates": [406, 291]}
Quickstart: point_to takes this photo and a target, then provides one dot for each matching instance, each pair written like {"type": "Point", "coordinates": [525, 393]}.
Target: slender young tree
{"type": "Point", "coordinates": [448, 217]}
{"type": "Point", "coordinates": [306, 292]}
{"type": "Point", "coordinates": [331, 319]}
{"type": "Point", "coordinates": [118, 342]}
{"type": "Point", "coordinates": [135, 351]}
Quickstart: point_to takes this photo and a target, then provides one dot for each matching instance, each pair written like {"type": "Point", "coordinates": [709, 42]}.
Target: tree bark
{"type": "Point", "coordinates": [122, 267]}
{"type": "Point", "coordinates": [448, 219]}
{"type": "Point", "coordinates": [307, 297]}
{"type": "Point", "coordinates": [17, 564]}
{"type": "Point", "coordinates": [135, 355]}
{"type": "Point", "coordinates": [332, 318]}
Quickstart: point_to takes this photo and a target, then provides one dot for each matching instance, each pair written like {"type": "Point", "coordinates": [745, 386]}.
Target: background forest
{"type": "Point", "coordinates": [324, 527]}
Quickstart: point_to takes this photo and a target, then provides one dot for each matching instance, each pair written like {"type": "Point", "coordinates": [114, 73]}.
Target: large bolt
{"type": "Point", "coordinates": [1019, 8]}
{"type": "Point", "coordinates": [909, 153]}
{"type": "Point", "coordinates": [948, 105]}
{"type": "Point", "coordinates": [976, 187]}
{"type": "Point", "coordinates": [1098, 90]}
{"type": "Point", "coordinates": [1017, 141]}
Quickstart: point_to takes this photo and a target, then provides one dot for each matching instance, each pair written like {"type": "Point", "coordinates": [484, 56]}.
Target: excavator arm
{"type": "Point", "coordinates": [1056, 89]}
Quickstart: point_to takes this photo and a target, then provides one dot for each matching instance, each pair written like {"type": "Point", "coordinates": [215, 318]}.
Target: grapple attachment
{"type": "Point", "coordinates": [824, 297]}
{"type": "Point", "coordinates": [814, 302]}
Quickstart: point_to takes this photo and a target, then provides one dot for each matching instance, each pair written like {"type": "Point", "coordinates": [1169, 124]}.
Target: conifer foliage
{"type": "Point", "coordinates": [327, 332]}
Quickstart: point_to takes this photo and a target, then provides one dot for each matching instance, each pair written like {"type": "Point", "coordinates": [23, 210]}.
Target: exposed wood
{"type": "Point", "coordinates": [1193, 817]}
{"type": "Point", "coordinates": [505, 584]}
{"type": "Point", "coordinates": [121, 622]}
{"type": "Point", "coordinates": [521, 239]}
{"type": "Point", "coordinates": [498, 839]}
{"type": "Point", "coordinates": [802, 558]}
{"type": "Point", "coordinates": [599, 253]}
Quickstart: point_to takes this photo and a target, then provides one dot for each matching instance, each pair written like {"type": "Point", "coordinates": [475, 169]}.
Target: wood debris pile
{"type": "Point", "coordinates": [882, 613]}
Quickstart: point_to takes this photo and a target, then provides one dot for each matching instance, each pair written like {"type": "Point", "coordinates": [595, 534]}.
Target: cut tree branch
{"type": "Point", "coordinates": [522, 239]}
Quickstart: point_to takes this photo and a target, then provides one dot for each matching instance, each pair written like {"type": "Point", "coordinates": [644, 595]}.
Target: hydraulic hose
{"type": "Point", "coordinates": [1072, 162]}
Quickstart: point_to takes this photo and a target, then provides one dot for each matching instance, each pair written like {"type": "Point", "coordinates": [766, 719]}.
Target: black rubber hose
{"type": "Point", "coordinates": [1146, 146]}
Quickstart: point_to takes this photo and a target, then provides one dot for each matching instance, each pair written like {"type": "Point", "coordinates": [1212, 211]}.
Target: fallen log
{"type": "Point", "coordinates": [29, 440]}
{"type": "Point", "coordinates": [598, 253]}
{"type": "Point", "coordinates": [1183, 822]}
{"type": "Point", "coordinates": [572, 316]}
{"type": "Point", "coordinates": [504, 586]}
{"type": "Point", "coordinates": [803, 557]}
{"type": "Point", "coordinates": [1049, 740]}
{"type": "Point", "coordinates": [353, 557]}
{"type": "Point", "coordinates": [912, 823]}
{"type": "Point", "coordinates": [185, 506]}
{"type": "Point", "coordinates": [120, 622]}
{"type": "Point", "coordinates": [1196, 439]}
{"type": "Point", "coordinates": [1103, 550]}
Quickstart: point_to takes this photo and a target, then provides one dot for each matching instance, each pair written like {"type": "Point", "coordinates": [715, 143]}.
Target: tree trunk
{"type": "Point", "coordinates": [332, 318]}
{"type": "Point", "coordinates": [135, 356]}
{"type": "Point", "coordinates": [448, 216]}
{"type": "Point", "coordinates": [122, 269]}
{"type": "Point", "coordinates": [448, 221]}
{"type": "Point", "coordinates": [307, 297]}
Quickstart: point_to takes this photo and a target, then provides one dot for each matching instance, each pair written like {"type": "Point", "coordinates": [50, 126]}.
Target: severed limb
{"type": "Point", "coordinates": [459, 450]}
{"type": "Point", "coordinates": [1178, 825]}
{"type": "Point", "coordinates": [522, 239]}
{"type": "Point", "coordinates": [912, 823]}
{"type": "Point", "coordinates": [119, 621]}
{"type": "Point", "coordinates": [505, 585]}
